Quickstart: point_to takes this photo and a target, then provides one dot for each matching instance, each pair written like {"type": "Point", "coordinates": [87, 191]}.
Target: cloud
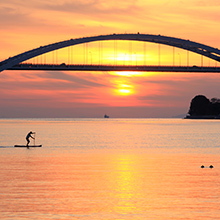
{"type": "Point", "coordinates": [177, 90]}
{"type": "Point", "coordinates": [203, 3]}
{"type": "Point", "coordinates": [9, 16]}
{"type": "Point", "coordinates": [93, 7]}
{"type": "Point", "coordinates": [82, 81]}
{"type": "Point", "coordinates": [53, 80]}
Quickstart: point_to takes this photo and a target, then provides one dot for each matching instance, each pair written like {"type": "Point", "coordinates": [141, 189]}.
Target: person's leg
{"type": "Point", "coordinates": [28, 141]}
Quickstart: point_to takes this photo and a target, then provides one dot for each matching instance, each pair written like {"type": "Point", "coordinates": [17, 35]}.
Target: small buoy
{"type": "Point", "coordinates": [211, 166]}
{"type": "Point", "coordinates": [202, 166]}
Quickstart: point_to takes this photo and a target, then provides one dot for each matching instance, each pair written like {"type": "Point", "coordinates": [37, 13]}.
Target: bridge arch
{"type": "Point", "coordinates": [210, 52]}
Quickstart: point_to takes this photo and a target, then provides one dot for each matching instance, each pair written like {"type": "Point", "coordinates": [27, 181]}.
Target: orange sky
{"type": "Point", "coordinates": [29, 24]}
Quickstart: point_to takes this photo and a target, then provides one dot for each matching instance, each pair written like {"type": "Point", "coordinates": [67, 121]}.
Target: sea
{"type": "Point", "coordinates": [110, 169]}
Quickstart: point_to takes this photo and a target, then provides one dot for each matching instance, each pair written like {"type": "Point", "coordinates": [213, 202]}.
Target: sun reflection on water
{"type": "Point", "coordinates": [126, 184]}
{"type": "Point", "coordinates": [113, 177]}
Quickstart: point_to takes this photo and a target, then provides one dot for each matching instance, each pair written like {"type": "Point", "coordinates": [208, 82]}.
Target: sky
{"type": "Point", "coordinates": [25, 25]}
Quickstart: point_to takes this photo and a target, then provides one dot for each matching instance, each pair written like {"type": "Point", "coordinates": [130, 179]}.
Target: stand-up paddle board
{"type": "Point", "coordinates": [28, 141]}
{"type": "Point", "coordinates": [27, 146]}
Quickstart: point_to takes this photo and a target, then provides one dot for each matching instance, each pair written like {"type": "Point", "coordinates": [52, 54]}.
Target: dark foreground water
{"type": "Point", "coordinates": [110, 169]}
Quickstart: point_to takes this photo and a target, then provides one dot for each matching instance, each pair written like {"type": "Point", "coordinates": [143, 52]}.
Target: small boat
{"type": "Point", "coordinates": [106, 116]}
{"type": "Point", "coordinates": [27, 146]}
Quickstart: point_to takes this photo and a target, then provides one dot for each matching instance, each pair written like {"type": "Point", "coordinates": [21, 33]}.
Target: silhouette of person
{"type": "Point", "coordinates": [29, 136]}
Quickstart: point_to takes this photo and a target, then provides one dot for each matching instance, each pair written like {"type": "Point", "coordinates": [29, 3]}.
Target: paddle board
{"type": "Point", "coordinates": [28, 146]}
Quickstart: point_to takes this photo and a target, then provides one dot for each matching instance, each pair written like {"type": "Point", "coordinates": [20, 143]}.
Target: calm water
{"type": "Point", "coordinates": [110, 169]}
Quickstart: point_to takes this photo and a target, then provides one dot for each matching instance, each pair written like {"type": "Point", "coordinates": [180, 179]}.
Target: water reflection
{"type": "Point", "coordinates": [126, 186]}
{"type": "Point", "coordinates": [108, 185]}
{"type": "Point", "coordinates": [104, 174]}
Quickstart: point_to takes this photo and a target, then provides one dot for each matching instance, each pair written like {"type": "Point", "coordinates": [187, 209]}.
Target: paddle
{"type": "Point", "coordinates": [34, 137]}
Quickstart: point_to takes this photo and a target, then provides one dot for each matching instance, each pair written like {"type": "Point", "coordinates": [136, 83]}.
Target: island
{"type": "Point", "coordinates": [203, 108]}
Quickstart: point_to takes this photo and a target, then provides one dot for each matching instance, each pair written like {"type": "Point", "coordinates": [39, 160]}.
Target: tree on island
{"type": "Point", "coordinates": [202, 106]}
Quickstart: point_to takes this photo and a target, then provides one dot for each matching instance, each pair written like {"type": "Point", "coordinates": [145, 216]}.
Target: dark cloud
{"type": "Point", "coordinates": [83, 81]}
{"type": "Point", "coordinates": [53, 81]}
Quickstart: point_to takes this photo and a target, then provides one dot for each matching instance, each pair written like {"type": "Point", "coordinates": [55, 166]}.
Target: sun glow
{"type": "Point", "coordinates": [130, 73]}
{"type": "Point", "coordinates": [124, 89]}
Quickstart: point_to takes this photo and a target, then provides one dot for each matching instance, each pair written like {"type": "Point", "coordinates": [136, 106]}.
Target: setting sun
{"type": "Point", "coordinates": [124, 89]}
{"type": "Point", "coordinates": [128, 73]}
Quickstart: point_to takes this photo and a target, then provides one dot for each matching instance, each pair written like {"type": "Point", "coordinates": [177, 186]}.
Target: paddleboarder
{"type": "Point", "coordinates": [29, 136]}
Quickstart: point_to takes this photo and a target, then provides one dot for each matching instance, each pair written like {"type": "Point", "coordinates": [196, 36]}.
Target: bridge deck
{"type": "Point", "coordinates": [64, 67]}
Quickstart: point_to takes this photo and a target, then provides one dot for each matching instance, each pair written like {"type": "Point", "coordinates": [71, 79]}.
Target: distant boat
{"type": "Point", "coordinates": [106, 116]}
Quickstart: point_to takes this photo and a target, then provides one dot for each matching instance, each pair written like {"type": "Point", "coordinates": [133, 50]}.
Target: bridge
{"type": "Point", "coordinates": [139, 68]}
{"type": "Point", "coordinates": [17, 62]}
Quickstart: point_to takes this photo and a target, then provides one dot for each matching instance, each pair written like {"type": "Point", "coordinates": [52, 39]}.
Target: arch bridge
{"type": "Point", "coordinates": [15, 62]}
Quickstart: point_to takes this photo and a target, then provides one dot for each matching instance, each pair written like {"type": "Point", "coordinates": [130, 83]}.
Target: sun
{"type": "Point", "coordinates": [128, 73]}
{"type": "Point", "coordinates": [124, 89]}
